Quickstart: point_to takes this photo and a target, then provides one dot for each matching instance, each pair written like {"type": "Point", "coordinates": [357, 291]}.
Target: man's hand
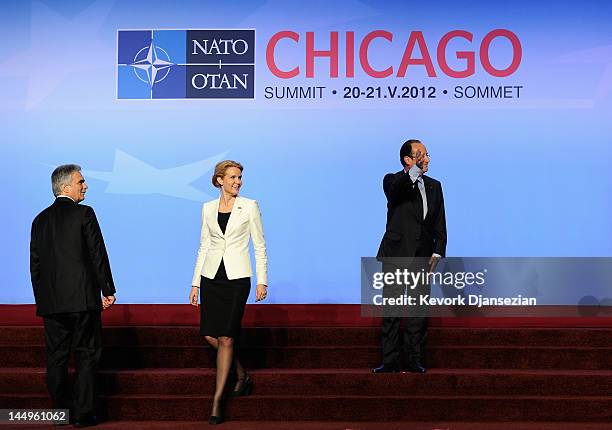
{"type": "Point", "coordinates": [433, 262]}
{"type": "Point", "coordinates": [261, 292]}
{"type": "Point", "coordinates": [419, 157]}
{"type": "Point", "coordinates": [108, 301]}
{"type": "Point", "coordinates": [193, 296]}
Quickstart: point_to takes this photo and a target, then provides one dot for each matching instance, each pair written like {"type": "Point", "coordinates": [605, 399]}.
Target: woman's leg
{"type": "Point", "coordinates": [240, 372]}
{"type": "Point", "coordinates": [225, 352]}
{"type": "Point", "coordinates": [212, 341]}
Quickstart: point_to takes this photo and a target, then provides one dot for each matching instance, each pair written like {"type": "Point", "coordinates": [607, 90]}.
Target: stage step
{"type": "Point", "coordinates": [454, 357]}
{"type": "Point", "coordinates": [323, 373]}
{"type": "Point", "coordinates": [355, 408]}
{"type": "Point", "coordinates": [340, 382]}
{"type": "Point", "coordinates": [330, 336]}
{"type": "Point", "coordinates": [340, 425]}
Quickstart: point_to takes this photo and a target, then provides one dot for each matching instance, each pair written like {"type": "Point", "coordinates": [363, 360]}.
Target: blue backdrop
{"type": "Point", "coordinates": [526, 176]}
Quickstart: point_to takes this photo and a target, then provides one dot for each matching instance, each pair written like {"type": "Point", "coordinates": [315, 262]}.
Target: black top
{"type": "Point", "coordinates": [222, 219]}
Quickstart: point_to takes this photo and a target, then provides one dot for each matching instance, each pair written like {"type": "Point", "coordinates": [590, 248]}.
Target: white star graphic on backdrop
{"type": "Point", "coordinates": [133, 176]}
{"type": "Point", "coordinates": [152, 64]}
{"type": "Point", "coordinates": [55, 45]}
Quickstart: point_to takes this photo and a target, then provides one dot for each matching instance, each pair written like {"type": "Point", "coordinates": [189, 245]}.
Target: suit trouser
{"type": "Point", "coordinates": [415, 323]}
{"type": "Point", "coordinates": [415, 339]}
{"type": "Point", "coordinates": [82, 332]}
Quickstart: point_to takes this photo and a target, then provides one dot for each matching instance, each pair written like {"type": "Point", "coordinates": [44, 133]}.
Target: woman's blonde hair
{"type": "Point", "coordinates": [220, 169]}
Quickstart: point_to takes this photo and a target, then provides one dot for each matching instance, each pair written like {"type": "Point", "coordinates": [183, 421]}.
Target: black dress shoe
{"type": "Point", "coordinates": [217, 419]}
{"type": "Point", "coordinates": [416, 367]}
{"type": "Point", "coordinates": [214, 420]}
{"type": "Point", "coordinates": [386, 368]}
{"type": "Point", "coordinates": [86, 422]}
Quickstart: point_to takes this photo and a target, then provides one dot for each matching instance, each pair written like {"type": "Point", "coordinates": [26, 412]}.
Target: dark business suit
{"type": "Point", "coordinates": [407, 234]}
{"type": "Point", "coordinates": [69, 268]}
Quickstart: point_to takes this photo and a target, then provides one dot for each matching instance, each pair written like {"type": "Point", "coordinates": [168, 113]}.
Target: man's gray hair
{"type": "Point", "coordinates": [62, 175]}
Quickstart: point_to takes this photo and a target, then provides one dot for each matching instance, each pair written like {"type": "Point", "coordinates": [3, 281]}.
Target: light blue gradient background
{"type": "Point", "coordinates": [527, 177]}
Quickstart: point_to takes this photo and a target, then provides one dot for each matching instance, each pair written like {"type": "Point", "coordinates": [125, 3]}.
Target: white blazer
{"type": "Point", "coordinates": [233, 246]}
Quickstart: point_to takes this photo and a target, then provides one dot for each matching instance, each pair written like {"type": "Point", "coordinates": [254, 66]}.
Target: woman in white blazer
{"type": "Point", "coordinates": [222, 274]}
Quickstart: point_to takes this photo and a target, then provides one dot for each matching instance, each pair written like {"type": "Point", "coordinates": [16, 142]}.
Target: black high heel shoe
{"type": "Point", "coordinates": [245, 388]}
{"type": "Point", "coordinates": [214, 420]}
{"type": "Point", "coordinates": [217, 419]}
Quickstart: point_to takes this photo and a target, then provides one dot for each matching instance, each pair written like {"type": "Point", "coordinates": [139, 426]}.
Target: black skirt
{"type": "Point", "coordinates": [222, 304]}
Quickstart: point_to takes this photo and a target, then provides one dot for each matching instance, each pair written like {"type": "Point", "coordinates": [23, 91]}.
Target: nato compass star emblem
{"type": "Point", "coordinates": [178, 64]}
{"type": "Point", "coordinates": [151, 64]}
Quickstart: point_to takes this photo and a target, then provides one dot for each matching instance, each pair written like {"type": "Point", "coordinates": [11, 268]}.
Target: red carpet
{"type": "Point", "coordinates": [319, 377]}
{"type": "Point", "coordinates": [260, 315]}
{"type": "Point", "coordinates": [320, 425]}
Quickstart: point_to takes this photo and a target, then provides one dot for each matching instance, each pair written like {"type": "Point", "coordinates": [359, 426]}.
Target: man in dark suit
{"type": "Point", "coordinates": [70, 271]}
{"type": "Point", "coordinates": [416, 227]}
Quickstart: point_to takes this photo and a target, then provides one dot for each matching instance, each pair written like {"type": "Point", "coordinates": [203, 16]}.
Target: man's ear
{"type": "Point", "coordinates": [407, 160]}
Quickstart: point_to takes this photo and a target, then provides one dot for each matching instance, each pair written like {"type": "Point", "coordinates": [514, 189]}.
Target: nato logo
{"type": "Point", "coordinates": [186, 64]}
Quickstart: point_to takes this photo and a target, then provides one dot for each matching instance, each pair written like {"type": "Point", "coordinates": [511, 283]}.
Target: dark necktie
{"type": "Point", "coordinates": [418, 199]}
